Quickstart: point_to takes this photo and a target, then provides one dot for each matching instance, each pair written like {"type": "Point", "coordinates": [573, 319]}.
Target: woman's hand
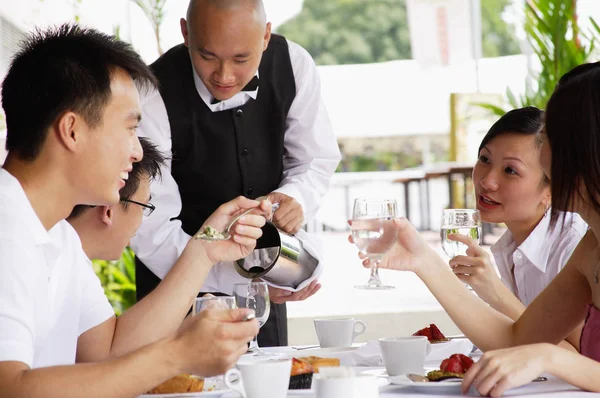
{"type": "Point", "coordinates": [476, 268]}
{"type": "Point", "coordinates": [500, 370]}
{"type": "Point", "coordinates": [409, 252]}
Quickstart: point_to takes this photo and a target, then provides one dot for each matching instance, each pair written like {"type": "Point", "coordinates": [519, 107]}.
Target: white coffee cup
{"type": "Point", "coordinates": [338, 332]}
{"type": "Point", "coordinates": [363, 386]}
{"type": "Point", "coordinates": [403, 355]}
{"type": "Point", "coordinates": [260, 379]}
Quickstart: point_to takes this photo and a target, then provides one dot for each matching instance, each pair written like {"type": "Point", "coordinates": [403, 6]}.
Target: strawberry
{"type": "Point", "coordinates": [436, 334]}
{"type": "Point", "coordinates": [424, 332]}
{"type": "Point", "coordinates": [444, 365]}
{"type": "Point", "coordinates": [466, 361]}
{"type": "Point", "coordinates": [454, 366]}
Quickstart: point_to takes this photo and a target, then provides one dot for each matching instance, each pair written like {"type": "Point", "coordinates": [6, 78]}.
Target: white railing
{"type": "Point", "coordinates": [336, 208]}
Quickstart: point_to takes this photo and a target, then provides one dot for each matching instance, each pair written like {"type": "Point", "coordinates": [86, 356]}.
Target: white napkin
{"type": "Point", "coordinates": [368, 354]}
{"type": "Point", "coordinates": [441, 351]}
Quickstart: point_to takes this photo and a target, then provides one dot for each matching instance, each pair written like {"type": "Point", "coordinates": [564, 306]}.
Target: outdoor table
{"type": "Point", "coordinates": [553, 387]}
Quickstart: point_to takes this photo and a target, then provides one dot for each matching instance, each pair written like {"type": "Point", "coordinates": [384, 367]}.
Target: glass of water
{"type": "Point", "coordinates": [460, 221]}
{"type": "Point", "coordinates": [213, 302]}
{"type": "Point", "coordinates": [255, 296]}
{"type": "Point", "coordinates": [374, 234]}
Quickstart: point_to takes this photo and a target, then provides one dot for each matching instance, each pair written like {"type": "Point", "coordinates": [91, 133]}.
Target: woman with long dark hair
{"type": "Point", "coordinates": [518, 351]}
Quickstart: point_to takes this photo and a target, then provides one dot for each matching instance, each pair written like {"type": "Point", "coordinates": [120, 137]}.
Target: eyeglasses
{"type": "Point", "coordinates": [148, 208]}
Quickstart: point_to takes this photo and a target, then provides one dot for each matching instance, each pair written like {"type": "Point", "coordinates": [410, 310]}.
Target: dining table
{"type": "Point", "coordinates": [550, 386]}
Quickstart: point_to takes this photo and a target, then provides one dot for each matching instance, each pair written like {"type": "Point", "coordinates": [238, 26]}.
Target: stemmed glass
{"type": "Point", "coordinates": [374, 234]}
{"type": "Point", "coordinates": [214, 302]}
{"type": "Point", "coordinates": [460, 221]}
{"type": "Point", "coordinates": [255, 296]}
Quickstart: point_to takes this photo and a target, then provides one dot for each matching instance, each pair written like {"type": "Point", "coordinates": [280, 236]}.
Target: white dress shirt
{"type": "Point", "coordinates": [311, 156]}
{"type": "Point", "coordinates": [49, 294]}
{"type": "Point", "coordinates": [539, 258]}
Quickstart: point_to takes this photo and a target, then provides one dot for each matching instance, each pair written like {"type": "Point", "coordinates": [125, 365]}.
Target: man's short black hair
{"type": "Point", "coordinates": [62, 69]}
{"type": "Point", "coordinates": [148, 167]}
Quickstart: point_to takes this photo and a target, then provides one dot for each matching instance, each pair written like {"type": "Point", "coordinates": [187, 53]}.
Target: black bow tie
{"type": "Point", "coordinates": [251, 86]}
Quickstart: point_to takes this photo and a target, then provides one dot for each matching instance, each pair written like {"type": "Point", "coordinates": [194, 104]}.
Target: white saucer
{"type": "Point", "coordinates": [331, 352]}
{"type": "Point", "coordinates": [403, 381]}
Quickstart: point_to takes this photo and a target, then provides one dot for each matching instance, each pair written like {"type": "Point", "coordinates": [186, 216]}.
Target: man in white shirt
{"type": "Point", "coordinates": [71, 140]}
{"type": "Point", "coordinates": [240, 112]}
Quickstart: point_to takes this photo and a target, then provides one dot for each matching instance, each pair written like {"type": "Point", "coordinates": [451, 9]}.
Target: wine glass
{"type": "Point", "coordinates": [213, 302]}
{"type": "Point", "coordinates": [374, 234]}
{"type": "Point", "coordinates": [255, 296]}
{"type": "Point", "coordinates": [460, 221]}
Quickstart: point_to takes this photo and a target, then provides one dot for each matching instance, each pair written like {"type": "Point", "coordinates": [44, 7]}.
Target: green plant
{"type": "Point", "coordinates": [553, 31]}
{"type": "Point", "coordinates": [118, 280]}
{"type": "Point", "coordinates": [154, 11]}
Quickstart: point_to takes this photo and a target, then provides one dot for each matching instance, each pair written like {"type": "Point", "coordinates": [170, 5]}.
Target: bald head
{"type": "Point", "coordinates": [255, 8]}
{"type": "Point", "coordinates": [226, 40]}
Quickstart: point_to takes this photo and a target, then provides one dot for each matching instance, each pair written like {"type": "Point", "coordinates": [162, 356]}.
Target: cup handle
{"type": "Point", "coordinates": [359, 328]}
{"type": "Point", "coordinates": [233, 380]}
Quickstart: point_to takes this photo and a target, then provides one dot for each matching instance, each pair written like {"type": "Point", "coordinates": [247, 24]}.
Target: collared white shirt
{"type": "Point", "coordinates": [540, 257]}
{"type": "Point", "coordinates": [49, 294]}
{"type": "Point", "coordinates": [311, 157]}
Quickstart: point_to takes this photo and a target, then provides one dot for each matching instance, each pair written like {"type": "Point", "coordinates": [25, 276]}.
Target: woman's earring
{"type": "Point", "coordinates": [546, 211]}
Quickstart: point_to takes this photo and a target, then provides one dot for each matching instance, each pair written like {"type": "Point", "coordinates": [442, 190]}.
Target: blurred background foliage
{"type": "Point", "coordinates": [554, 33]}
{"type": "Point", "coordinates": [337, 32]}
{"type": "Point", "coordinates": [118, 280]}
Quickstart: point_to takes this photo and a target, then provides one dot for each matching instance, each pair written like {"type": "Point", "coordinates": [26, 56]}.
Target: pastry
{"type": "Point", "coordinates": [178, 384]}
{"type": "Point", "coordinates": [301, 375]}
{"type": "Point", "coordinates": [318, 362]}
{"type": "Point", "coordinates": [454, 366]}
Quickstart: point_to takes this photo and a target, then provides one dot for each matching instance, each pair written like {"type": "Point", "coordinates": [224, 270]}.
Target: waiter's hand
{"type": "Point", "coordinates": [244, 232]}
{"type": "Point", "coordinates": [280, 296]}
{"type": "Point", "coordinates": [289, 217]}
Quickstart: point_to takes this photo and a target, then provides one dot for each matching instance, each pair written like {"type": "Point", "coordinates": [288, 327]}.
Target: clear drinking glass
{"type": "Point", "coordinates": [255, 296]}
{"type": "Point", "coordinates": [459, 221]}
{"type": "Point", "coordinates": [374, 234]}
{"type": "Point", "coordinates": [218, 302]}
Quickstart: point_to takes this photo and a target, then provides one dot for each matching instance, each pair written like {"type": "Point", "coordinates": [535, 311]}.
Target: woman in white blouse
{"type": "Point", "coordinates": [511, 188]}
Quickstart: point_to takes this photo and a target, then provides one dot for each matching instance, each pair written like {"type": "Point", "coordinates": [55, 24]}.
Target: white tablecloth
{"type": "Point", "coordinates": [553, 387]}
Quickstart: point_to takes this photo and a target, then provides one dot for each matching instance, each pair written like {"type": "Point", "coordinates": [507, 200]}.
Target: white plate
{"type": "Point", "coordinates": [332, 352]}
{"type": "Point", "coordinates": [383, 373]}
{"type": "Point", "coordinates": [215, 384]}
{"type": "Point", "coordinates": [403, 381]}
{"type": "Point", "coordinates": [213, 394]}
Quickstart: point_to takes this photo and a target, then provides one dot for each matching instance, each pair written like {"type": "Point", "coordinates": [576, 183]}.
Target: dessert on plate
{"type": "Point", "coordinates": [179, 384]}
{"type": "Point", "coordinates": [433, 334]}
{"type": "Point", "coordinates": [453, 367]}
{"type": "Point", "coordinates": [318, 362]}
{"type": "Point", "coordinates": [301, 375]}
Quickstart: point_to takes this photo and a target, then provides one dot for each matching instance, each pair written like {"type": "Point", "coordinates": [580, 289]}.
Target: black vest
{"type": "Point", "coordinates": [218, 156]}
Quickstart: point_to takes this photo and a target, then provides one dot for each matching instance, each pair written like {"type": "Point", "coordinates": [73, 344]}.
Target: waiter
{"type": "Point", "coordinates": [240, 112]}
